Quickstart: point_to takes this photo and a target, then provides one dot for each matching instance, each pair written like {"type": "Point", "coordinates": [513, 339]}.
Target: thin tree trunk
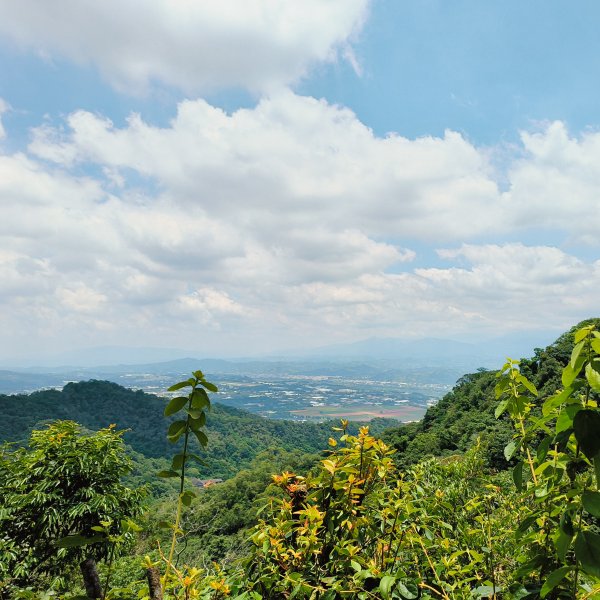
{"type": "Point", "coordinates": [91, 579]}
{"type": "Point", "coordinates": [154, 583]}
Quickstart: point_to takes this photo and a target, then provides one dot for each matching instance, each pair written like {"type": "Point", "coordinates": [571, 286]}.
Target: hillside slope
{"type": "Point", "coordinates": [467, 411]}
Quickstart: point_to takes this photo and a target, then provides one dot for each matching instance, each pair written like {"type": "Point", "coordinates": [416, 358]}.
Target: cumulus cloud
{"type": "Point", "coordinates": [555, 184]}
{"type": "Point", "coordinates": [296, 158]}
{"type": "Point", "coordinates": [195, 46]}
{"type": "Point", "coordinates": [289, 220]}
{"type": "Point", "coordinates": [3, 108]}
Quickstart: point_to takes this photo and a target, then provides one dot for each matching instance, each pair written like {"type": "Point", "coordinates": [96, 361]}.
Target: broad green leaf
{"type": "Point", "coordinates": [525, 525]}
{"type": "Point", "coordinates": [76, 541]}
{"type": "Point", "coordinates": [596, 345]}
{"type": "Point", "coordinates": [566, 417]}
{"type": "Point", "coordinates": [181, 384]}
{"type": "Point", "coordinates": [555, 401]}
{"type": "Point", "coordinates": [587, 551]}
{"type": "Point", "coordinates": [483, 591]}
{"type": "Point", "coordinates": [563, 543]}
{"type": "Point", "coordinates": [566, 524]}
{"type": "Point", "coordinates": [201, 438]}
{"type": "Point", "coordinates": [408, 591]}
{"type": "Point", "coordinates": [501, 408]}
{"type": "Point", "coordinates": [575, 353]}
{"type": "Point", "coordinates": [175, 405]}
{"type": "Point", "coordinates": [187, 497]}
{"type": "Point", "coordinates": [593, 377]}
{"type": "Point", "coordinates": [198, 374]}
{"type": "Point", "coordinates": [568, 376]}
{"type": "Point", "coordinates": [553, 580]}
{"type": "Point", "coordinates": [385, 586]}
{"type": "Point", "coordinates": [167, 473]}
{"type": "Point", "coordinates": [200, 399]}
{"type": "Point", "coordinates": [582, 333]}
{"type": "Point", "coordinates": [198, 459]}
{"type": "Point", "coordinates": [528, 385]}
{"type": "Point", "coordinates": [196, 424]}
{"type": "Point", "coordinates": [517, 475]}
{"type": "Point", "coordinates": [197, 414]}
{"type": "Point", "coordinates": [176, 430]}
{"type": "Point", "coordinates": [591, 502]}
{"type": "Point", "coordinates": [587, 431]}
{"type": "Point", "coordinates": [355, 566]}
{"type": "Point", "coordinates": [211, 387]}
{"type": "Point", "coordinates": [177, 462]}
{"type": "Point", "coordinates": [509, 450]}
{"type": "Point", "coordinates": [542, 449]}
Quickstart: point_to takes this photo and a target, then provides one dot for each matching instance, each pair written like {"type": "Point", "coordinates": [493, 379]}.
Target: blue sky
{"type": "Point", "coordinates": [266, 175]}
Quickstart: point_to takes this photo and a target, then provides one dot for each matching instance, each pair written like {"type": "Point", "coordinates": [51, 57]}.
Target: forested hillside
{"type": "Point", "coordinates": [235, 436]}
{"type": "Point", "coordinates": [467, 411]}
{"type": "Point", "coordinates": [495, 494]}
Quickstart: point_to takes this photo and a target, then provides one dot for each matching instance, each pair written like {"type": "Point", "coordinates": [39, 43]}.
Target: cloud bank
{"type": "Point", "coordinates": [288, 223]}
{"type": "Point", "coordinates": [195, 46]}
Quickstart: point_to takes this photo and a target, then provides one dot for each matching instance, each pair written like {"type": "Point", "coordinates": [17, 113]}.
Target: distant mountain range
{"type": "Point", "coordinates": [428, 360]}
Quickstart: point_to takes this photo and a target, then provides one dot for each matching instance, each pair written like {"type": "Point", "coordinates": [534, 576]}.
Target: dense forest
{"type": "Point", "coordinates": [494, 494]}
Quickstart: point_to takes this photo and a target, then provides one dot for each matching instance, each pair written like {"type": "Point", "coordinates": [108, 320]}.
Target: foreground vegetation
{"type": "Point", "coordinates": [495, 494]}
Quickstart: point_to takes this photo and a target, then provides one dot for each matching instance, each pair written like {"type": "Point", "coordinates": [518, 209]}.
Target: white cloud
{"type": "Point", "coordinates": [289, 221]}
{"type": "Point", "coordinates": [297, 159]}
{"type": "Point", "coordinates": [256, 44]}
{"type": "Point", "coordinates": [555, 185]}
{"type": "Point", "coordinates": [3, 108]}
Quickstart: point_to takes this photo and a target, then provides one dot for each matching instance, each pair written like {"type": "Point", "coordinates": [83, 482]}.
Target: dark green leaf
{"type": "Point", "coordinates": [198, 374]}
{"type": "Point", "coordinates": [75, 541]}
{"type": "Point", "coordinates": [167, 473]}
{"type": "Point", "coordinates": [201, 438]}
{"type": "Point", "coordinates": [175, 405]}
{"type": "Point", "coordinates": [385, 586]}
{"type": "Point", "coordinates": [553, 580]}
{"type": "Point", "coordinates": [211, 387]}
{"type": "Point", "coordinates": [197, 414]}
{"type": "Point", "coordinates": [542, 449]}
{"type": "Point", "coordinates": [200, 399]}
{"type": "Point", "coordinates": [198, 459]}
{"type": "Point", "coordinates": [197, 424]}
{"type": "Point", "coordinates": [502, 406]}
{"type": "Point", "coordinates": [587, 431]}
{"type": "Point", "coordinates": [181, 384]}
{"type": "Point", "coordinates": [517, 475]}
{"type": "Point", "coordinates": [176, 430]}
{"type": "Point", "coordinates": [408, 591]}
{"type": "Point", "coordinates": [562, 543]}
{"type": "Point", "coordinates": [187, 497]}
{"type": "Point", "coordinates": [177, 462]}
{"type": "Point", "coordinates": [565, 419]}
{"type": "Point", "coordinates": [591, 502]}
{"type": "Point", "coordinates": [587, 551]}
{"type": "Point", "coordinates": [509, 450]}
{"type": "Point", "coordinates": [566, 524]}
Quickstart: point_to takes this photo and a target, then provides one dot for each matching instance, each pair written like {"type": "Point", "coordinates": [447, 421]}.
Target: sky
{"type": "Point", "coordinates": [244, 177]}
